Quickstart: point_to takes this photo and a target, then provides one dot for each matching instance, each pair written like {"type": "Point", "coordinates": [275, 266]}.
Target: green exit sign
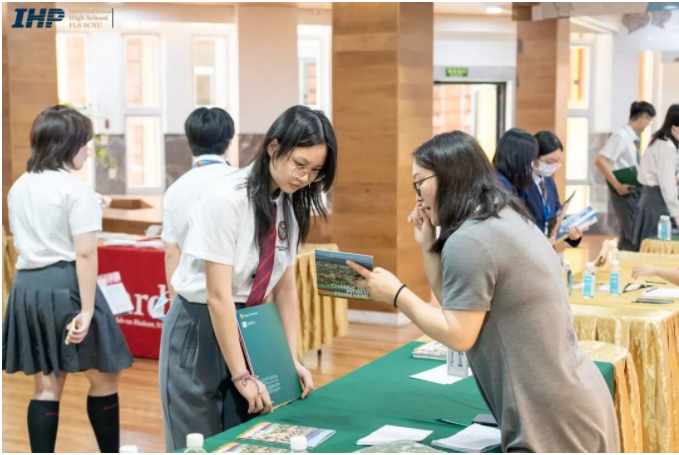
{"type": "Point", "coordinates": [457, 72]}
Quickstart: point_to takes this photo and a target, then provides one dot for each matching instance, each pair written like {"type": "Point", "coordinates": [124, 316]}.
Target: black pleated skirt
{"type": "Point", "coordinates": [41, 304]}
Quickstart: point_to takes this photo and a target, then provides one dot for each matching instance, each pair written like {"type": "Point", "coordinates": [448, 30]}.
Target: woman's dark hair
{"type": "Point", "coordinates": [665, 131]}
{"type": "Point", "coordinates": [468, 188]}
{"type": "Point", "coordinates": [547, 143]}
{"type": "Point", "coordinates": [298, 126]}
{"type": "Point", "coordinates": [514, 157]}
{"type": "Point", "coordinates": [639, 108]}
{"type": "Point", "coordinates": [57, 135]}
{"type": "Point", "coordinates": [209, 131]}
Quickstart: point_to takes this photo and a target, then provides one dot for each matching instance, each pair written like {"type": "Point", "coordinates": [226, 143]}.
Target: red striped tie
{"type": "Point", "coordinates": [267, 252]}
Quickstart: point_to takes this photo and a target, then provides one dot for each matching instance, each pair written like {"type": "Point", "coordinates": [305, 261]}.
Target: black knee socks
{"type": "Point", "coordinates": [104, 416]}
{"type": "Point", "coordinates": [43, 421]}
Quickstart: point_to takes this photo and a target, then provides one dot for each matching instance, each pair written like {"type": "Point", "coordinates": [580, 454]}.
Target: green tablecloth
{"type": "Point", "coordinates": [381, 393]}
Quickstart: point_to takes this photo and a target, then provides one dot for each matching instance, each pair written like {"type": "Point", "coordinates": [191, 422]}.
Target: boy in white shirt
{"type": "Point", "coordinates": [210, 132]}
{"type": "Point", "coordinates": [620, 152]}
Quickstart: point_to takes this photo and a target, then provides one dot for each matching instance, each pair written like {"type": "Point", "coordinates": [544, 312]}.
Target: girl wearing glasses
{"type": "Point", "coordinates": [525, 165]}
{"type": "Point", "coordinates": [241, 248]}
{"type": "Point", "coordinates": [544, 391]}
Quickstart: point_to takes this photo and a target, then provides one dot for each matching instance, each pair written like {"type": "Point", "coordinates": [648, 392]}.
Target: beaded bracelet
{"type": "Point", "coordinates": [245, 377]}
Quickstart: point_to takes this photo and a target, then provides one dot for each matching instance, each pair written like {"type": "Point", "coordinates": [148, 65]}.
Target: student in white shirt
{"type": "Point", "coordinates": [620, 152]}
{"type": "Point", "coordinates": [54, 218]}
{"type": "Point", "coordinates": [241, 246]}
{"type": "Point", "coordinates": [658, 174]}
{"type": "Point", "coordinates": [209, 132]}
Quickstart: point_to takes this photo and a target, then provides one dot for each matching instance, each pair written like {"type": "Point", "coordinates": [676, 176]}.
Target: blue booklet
{"type": "Point", "coordinates": [584, 219]}
{"type": "Point", "coordinates": [336, 279]}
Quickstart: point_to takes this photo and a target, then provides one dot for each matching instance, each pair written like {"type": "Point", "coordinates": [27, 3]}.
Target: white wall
{"type": "Point", "coordinates": [670, 88]}
{"type": "Point", "coordinates": [624, 82]}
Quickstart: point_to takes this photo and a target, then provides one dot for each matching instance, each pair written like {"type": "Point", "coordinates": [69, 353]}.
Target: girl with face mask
{"type": "Point", "coordinates": [525, 165]}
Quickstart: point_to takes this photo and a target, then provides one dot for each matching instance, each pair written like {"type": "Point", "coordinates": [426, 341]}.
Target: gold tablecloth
{"type": "Point", "coordinates": [651, 334]}
{"type": "Point", "coordinates": [321, 318]}
{"type": "Point", "coordinates": [659, 246]}
{"type": "Point", "coordinates": [627, 397]}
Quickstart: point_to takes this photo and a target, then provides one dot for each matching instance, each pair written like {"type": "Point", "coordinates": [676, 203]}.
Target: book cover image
{"type": "Point", "coordinates": [279, 433]}
{"type": "Point", "coordinates": [237, 447]}
{"type": "Point", "coordinates": [336, 279]}
{"type": "Point", "coordinates": [268, 353]}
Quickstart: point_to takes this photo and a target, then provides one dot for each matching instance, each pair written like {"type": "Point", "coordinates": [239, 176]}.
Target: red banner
{"type": "Point", "coordinates": [142, 271]}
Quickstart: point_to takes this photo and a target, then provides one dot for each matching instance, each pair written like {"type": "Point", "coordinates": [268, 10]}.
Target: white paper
{"type": "Point", "coordinates": [605, 288]}
{"type": "Point", "coordinates": [120, 242]}
{"type": "Point", "coordinates": [438, 375]}
{"type": "Point", "coordinates": [159, 244]}
{"type": "Point", "coordinates": [391, 433]}
{"type": "Point", "coordinates": [115, 293]}
{"type": "Point", "coordinates": [475, 438]}
{"type": "Point", "coordinates": [665, 293]}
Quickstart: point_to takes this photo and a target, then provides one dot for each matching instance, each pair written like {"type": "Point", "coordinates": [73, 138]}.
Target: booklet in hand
{"type": "Point", "coordinates": [583, 220]}
{"type": "Point", "coordinates": [336, 279]}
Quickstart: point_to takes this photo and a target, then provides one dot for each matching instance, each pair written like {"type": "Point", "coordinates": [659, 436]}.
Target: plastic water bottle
{"type": "Point", "coordinates": [614, 284]}
{"type": "Point", "coordinates": [568, 276]}
{"type": "Point", "coordinates": [194, 443]}
{"type": "Point", "coordinates": [128, 449]}
{"type": "Point", "coordinates": [298, 444]}
{"type": "Point", "coordinates": [664, 228]}
{"type": "Point", "coordinates": [588, 281]}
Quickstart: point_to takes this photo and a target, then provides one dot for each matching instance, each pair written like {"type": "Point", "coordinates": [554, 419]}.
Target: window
{"type": "Point", "coordinates": [577, 163]}
{"type": "Point", "coordinates": [579, 81]}
{"type": "Point", "coordinates": [314, 53]}
{"type": "Point", "coordinates": [209, 72]}
{"type": "Point", "coordinates": [141, 71]}
{"type": "Point", "coordinates": [142, 142]}
{"type": "Point", "coordinates": [309, 51]}
{"type": "Point", "coordinates": [71, 69]}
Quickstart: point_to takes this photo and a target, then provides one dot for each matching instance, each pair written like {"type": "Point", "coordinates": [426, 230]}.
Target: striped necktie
{"type": "Point", "coordinates": [543, 188]}
{"type": "Point", "coordinates": [267, 252]}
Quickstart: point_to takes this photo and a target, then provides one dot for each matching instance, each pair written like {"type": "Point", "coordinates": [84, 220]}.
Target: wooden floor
{"type": "Point", "coordinates": [141, 415]}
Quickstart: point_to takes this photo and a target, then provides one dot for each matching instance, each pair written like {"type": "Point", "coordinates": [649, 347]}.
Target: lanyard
{"type": "Point", "coordinates": [548, 215]}
{"type": "Point", "coordinates": [201, 163]}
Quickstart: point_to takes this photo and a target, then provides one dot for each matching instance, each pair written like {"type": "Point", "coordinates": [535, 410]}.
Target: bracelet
{"type": "Point", "coordinates": [397, 293]}
{"type": "Point", "coordinates": [244, 378]}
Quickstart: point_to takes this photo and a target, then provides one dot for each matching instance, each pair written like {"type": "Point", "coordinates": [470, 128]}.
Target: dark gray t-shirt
{"type": "Point", "coordinates": [545, 392]}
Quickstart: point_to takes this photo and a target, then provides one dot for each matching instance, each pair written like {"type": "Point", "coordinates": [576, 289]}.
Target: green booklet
{"type": "Point", "coordinates": [626, 176]}
{"type": "Point", "coordinates": [268, 353]}
{"type": "Point", "coordinates": [335, 278]}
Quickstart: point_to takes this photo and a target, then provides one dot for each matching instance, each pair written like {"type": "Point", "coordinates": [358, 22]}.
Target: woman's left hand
{"type": "Point", "coordinates": [380, 284]}
{"type": "Point", "coordinates": [574, 233]}
{"type": "Point", "coordinates": [305, 377]}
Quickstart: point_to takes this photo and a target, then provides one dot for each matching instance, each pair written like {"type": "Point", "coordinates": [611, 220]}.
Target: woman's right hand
{"type": "Point", "coordinates": [82, 327]}
{"type": "Point", "coordinates": [643, 270]}
{"type": "Point", "coordinates": [259, 401]}
{"type": "Point", "coordinates": [425, 232]}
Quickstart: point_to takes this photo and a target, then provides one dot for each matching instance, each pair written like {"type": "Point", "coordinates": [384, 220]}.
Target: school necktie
{"type": "Point", "coordinates": [267, 252]}
{"type": "Point", "coordinates": [543, 189]}
{"type": "Point", "coordinates": [637, 145]}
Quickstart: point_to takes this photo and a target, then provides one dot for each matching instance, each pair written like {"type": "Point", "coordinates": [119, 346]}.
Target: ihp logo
{"type": "Point", "coordinates": [45, 16]}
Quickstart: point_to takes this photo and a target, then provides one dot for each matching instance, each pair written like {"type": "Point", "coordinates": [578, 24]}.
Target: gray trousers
{"type": "Point", "coordinates": [196, 390]}
{"type": "Point", "coordinates": [625, 208]}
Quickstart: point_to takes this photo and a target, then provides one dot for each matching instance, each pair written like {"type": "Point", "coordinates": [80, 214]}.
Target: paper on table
{"type": "Point", "coordinates": [438, 375]}
{"type": "Point", "coordinates": [391, 433]}
{"type": "Point", "coordinates": [667, 293]}
{"type": "Point", "coordinates": [475, 438]}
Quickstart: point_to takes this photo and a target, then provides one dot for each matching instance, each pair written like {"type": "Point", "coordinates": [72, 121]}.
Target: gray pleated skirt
{"type": "Point", "coordinates": [649, 210]}
{"type": "Point", "coordinates": [41, 304]}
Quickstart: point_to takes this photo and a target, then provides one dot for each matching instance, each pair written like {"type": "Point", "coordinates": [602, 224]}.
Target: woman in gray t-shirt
{"type": "Point", "coordinates": [504, 302]}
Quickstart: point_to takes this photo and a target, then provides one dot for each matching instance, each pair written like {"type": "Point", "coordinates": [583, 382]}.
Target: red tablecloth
{"type": "Point", "coordinates": [142, 272]}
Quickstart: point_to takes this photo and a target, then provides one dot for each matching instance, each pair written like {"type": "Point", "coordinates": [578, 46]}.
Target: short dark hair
{"type": "Point", "coordinates": [514, 157]}
{"type": "Point", "coordinates": [298, 126]}
{"type": "Point", "coordinates": [468, 188]}
{"type": "Point", "coordinates": [640, 108]}
{"type": "Point", "coordinates": [547, 143]}
{"type": "Point", "coordinates": [57, 134]}
{"type": "Point", "coordinates": [209, 131]}
{"type": "Point", "coordinates": [665, 131]}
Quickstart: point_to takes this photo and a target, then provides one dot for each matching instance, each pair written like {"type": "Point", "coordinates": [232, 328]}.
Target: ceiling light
{"type": "Point", "coordinates": [494, 10]}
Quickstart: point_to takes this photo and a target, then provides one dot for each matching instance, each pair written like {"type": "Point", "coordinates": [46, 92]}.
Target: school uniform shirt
{"type": "Point", "coordinates": [659, 167]}
{"type": "Point", "coordinates": [46, 210]}
{"type": "Point", "coordinates": [622, 149]}
{"type": "Point", "coordinates": [222, 230]}
{"type": "Point", "coordinates": [184, 194]}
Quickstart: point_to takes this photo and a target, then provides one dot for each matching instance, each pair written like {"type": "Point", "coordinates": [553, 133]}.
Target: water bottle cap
{"type": "Point", "coordinates": [590, 264]}
{"type": "Point", "coordinates": [128, 449]}
{"type": "Point", "coordinates": [616, 262]}
{"type": "Point", "coordinates": [566, 263]}
{"type": "Point", "coordinates": [194, 440]}
{"type": "Point", "coordinates": [298, 443]}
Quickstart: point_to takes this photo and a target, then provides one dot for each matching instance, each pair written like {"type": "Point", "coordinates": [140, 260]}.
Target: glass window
{"type": "Point", "coordinates": [309, 82]}
{"type": "Point", "coordinates": [71, 69]}
{"type": "Point", "coordinates": [209, 72]}
{"type": "Point", "coordinates": [141, 71]}
{"type": "Point", "coordinates": [577, 142]}
{"type": "Point", "coordinates": [142, 149]}
{"type": "Point", "coordinates": [579, 81]}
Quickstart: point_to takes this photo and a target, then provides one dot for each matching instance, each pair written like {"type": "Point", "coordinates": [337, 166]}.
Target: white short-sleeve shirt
{"type": "Point", "coordinates": [184, 194]}
{"type": "Point", "coordinates": [222, 230]}
{"type": "Point", "coordinates": [620, 149]}
{"type": "Point", "coordinates": [46, 210]}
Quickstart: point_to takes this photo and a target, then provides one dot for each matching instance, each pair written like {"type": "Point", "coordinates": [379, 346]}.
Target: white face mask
{"type": "Point", "coordinates": [544, 169]}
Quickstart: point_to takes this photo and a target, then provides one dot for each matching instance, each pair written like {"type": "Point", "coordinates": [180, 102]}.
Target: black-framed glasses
{"type": "Point", "coordinates": [416, 185]}
{"type": "Point", "coordinates": [300, 171]}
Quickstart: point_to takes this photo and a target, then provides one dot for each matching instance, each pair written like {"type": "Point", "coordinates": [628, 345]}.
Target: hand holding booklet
{"type": "Point", "coordinates": [584, 219]}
